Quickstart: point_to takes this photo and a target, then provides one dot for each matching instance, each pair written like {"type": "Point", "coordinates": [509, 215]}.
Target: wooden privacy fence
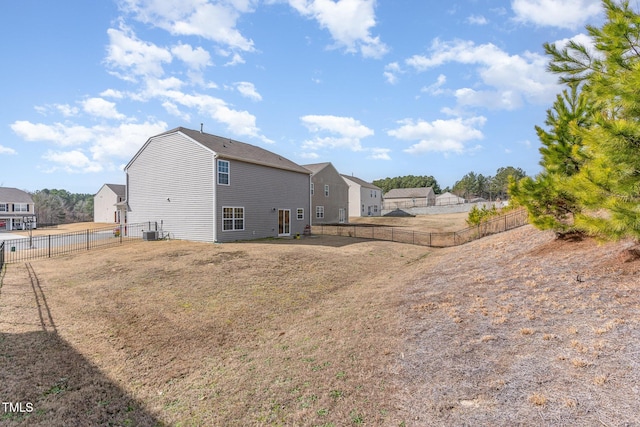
{"type": "Point", "coordinates": [494, 225]}
{"type": "Point", "coordinates": [26, 248]}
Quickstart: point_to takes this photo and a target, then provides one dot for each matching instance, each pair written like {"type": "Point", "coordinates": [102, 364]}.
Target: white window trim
{"type": "Point", "coordinates": [300, 217]}
{"type": "Point", "coordinates": [319, 212]}
{"type": "Point", "coordinates": [233, 218]}
{"type": "Point", "coordinates": [326, 190]}
{"type": "Point", "coordinates": [228, 172]}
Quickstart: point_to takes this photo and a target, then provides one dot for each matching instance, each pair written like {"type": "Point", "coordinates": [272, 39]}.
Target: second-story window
{"type": "Point", "coordinates": [21, 207]}
{"type": "Point", "coordinates": [312, 188]}
{"type": "Point", "coordinates": [326, 190]}
{"type": "Point", "coordinates": [223, 172]}
{"type": "Point", "coordinates": [4, 207]}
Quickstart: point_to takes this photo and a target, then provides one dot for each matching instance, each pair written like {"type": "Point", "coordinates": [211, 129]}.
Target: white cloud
{"type": "Point", "coordinates": [67, 110]}
{"type": "Point", "coordinates": [7, 150]}
{"type": "Point", "coordinates": [310, 155]}
{"type": "Point", "coordinates": [101, 108]}
{"type": "Point", "coordinates": [195, 59]}
{"type": "Point", "coordinates": [58, 133]}
{"type": "Point", "coordinates": [105, 143]}
{"type": "Point", "coordinates": [439, 135]}
{"type": "Point", "coordinates": [132, 57]}
{"type": "Point", "coordinates": [436, 87]}
{"type": "Point", "coordinates": [248, 90]}
{"type": "Point", "coordinates": [122, 141]}
{"type": "Point", "coordinates": [211, 21]}
{"type": "Point", "coordinates": [510, 80]}
{"type": "Point", "coordinates": [391, 72]}
{"type": "Point", "coordinates": [73, 161]}
{"type": "Point", "coordinates": [380, 154]}
{"type": "Point", "coordinates": [173, 109]}
{"type": "Point", "coordinates": [112, 93]}
{"type": "Point", "coordinates": [477, 20]}
{"type": "Point", "coordinates": [345, 132]}
{"type": "Point", "coordinates": [348, 21]}
{"type": "Point", "coordinates": [569, 14]}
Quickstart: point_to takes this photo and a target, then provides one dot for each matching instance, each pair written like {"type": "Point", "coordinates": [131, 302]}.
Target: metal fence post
{"type": "Point", "coordinates": [49, 246]}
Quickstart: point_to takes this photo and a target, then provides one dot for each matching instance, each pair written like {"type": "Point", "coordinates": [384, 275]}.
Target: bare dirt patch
{"type": "Point", "coordinates": [512, 329]}
{"type": "Point", "coordinates": [426, 223]}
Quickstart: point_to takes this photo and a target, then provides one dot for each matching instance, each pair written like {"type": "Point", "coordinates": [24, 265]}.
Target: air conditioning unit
{"type": "Point", "coordinates": [149, 235]}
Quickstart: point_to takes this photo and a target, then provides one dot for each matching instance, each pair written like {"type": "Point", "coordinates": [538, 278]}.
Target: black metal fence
{"type": "Point", "coordinates": [1, 255]}
{"type": "Point", "coordinates": [494, 225]}
{"type": "Point", "coordinates": [46, 246]}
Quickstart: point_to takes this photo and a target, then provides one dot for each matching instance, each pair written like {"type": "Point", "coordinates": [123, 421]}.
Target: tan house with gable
{"type": "Point", "coordinates": [105, 203]}
{"type": "Point", "coordinates": [329, 195]}
{"type": "Point", "coordinates": [202, 187]}
{"type": "Point", "coordinates": [400, 198]}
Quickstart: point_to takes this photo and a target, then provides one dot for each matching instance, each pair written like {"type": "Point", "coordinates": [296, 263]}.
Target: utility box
{"type": "Point", "coordinates": [149, 235]}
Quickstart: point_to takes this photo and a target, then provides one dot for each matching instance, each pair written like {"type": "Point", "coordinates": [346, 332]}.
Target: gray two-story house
{"type": "Point", "coordinates": [204, 187]}
{"type": "Point", "coordinates": [329, 195]}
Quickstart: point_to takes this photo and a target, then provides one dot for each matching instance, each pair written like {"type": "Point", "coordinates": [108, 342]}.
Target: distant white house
{"type": "Point", "coordinates": [105, 203]}
{"type": "Point", "coordinates": [365, 199]}
{"type": "Point", "coordinates": [202, 187]}
{"type": "Point", "coordinates": [448, 198]}
{"type": "Point", "coordinates": [17, 210]}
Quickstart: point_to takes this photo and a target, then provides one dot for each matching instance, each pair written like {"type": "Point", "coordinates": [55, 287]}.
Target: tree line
{"type": "Point", "coordinates": [590, 182]}
{"type": "Point", "coordinates": [471, 185]}
{"type": "Point", "coordinates": [62, 207]}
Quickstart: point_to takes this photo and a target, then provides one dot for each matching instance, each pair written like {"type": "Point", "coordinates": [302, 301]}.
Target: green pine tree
{"type": "Point", "coordinates": [549, 197]}
{"type": "Point", "coordinates": [608, 184]}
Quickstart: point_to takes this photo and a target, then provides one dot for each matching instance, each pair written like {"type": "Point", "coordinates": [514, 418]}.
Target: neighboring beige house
{"type": "Point", "coordinates": [202, 187]}
{"type": "Point", "coordinates": [17, 210]}
{"type": "Point", "coordinates": [365, 199]}
{"type": "Point", "coordinates": [329, 195]}
{"type": "Point", "coordinates": [400, 198]}
{"type": "Point", "coordinates": [105, 203]}
{"type": "Point", "coordinates": [449, 199]}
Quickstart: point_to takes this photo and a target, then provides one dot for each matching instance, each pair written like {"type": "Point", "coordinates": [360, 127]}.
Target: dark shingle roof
{"type": "Point", "coordinates": [236, 150]}
{"type": "Point", "coordinates": [403, 193]}
{"type": "Point", "coordinates": [13, 195]}
{"type": "Point", "coordinates": [361, 182]}
{"type": "Point", "coordinates": [119, 189]}
{"type": "Point", "coordinates": [316, 167]}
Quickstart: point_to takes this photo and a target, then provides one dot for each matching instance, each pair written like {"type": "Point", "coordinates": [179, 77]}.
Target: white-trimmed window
{"type": "Point", "coordinates": [21, 207]}
{"type": "Point", "coordinates": [4, 207]}
{"type": "Point", "coordinates": [326, 190]}
{"type": "Point", "coordinates": [300, 213]}
{"type": "Point", "coordinates": [375, 208]}
{"type": "Point", "coordinates": [232, 218]}
{"type": "Point", "coordinates": [223, 172]}
{"type": "Point", "coordinates": [312, 188]}
{"type": "Point", "coordinates": [319, 211]}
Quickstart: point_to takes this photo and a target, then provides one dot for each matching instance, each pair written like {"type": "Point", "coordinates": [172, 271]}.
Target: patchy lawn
{"type": "Point", "coordinates": [512, 329]}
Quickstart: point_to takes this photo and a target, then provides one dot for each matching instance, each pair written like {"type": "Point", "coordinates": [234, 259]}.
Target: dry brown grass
{"type": "Point", "coordinates": [325, 331]}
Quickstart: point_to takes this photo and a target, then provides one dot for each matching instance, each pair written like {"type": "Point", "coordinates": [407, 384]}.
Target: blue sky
{"type": "Point", "coordinates": [379, 88]}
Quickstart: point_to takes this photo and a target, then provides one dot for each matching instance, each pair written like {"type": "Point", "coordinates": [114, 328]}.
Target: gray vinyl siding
{"type": "Point", "coordinates": [338, 196]}
{"type": "Point", "coordinates": [170, 181]}
{"type": "Point", "coordinates": [260, 190]}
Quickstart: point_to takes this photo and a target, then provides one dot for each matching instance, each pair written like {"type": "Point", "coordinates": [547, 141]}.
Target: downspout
{"type": "Point", "coordinates": [310, 202]}
{"type": "Point", "coordinates": [215, 198]}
